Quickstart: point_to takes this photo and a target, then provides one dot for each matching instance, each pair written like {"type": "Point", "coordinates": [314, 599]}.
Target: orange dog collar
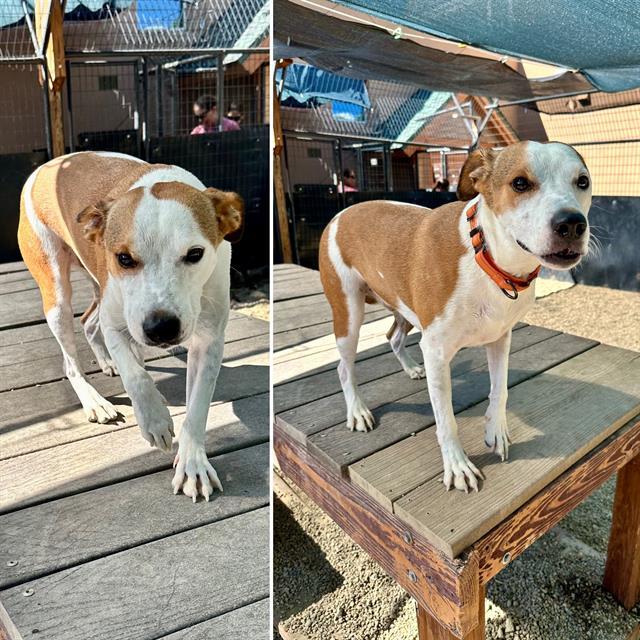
{"type": "Point", "coordinates": [509, 284]}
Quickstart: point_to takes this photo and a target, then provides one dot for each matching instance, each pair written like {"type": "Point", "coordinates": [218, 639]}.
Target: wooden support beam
{"type": "Point", "coordinates": [278, 182]}
{"type": "Point", "coordinates": [49, 18]}
{"type": "Point", "coordinates": [430, 629]}
{"type": "Point", "coordinates": [622, 572]}
{"type": "Point", "coordinates": [448, 589]}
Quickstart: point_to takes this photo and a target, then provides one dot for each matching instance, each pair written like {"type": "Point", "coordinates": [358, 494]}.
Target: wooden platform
{"type": "Point", "coordinates": [571, 401]}
{"type": "Point", "coordinates": [93, 543]}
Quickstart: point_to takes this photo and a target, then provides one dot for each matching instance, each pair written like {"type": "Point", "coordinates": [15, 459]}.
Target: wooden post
{"type": "Point", "coordinates": [622, 572]}
{"type": "Point", "coordinates": [49, 19]}
{"type": "Point", "coordinates": [430, 629]}
{"type": "Point", "coordinates": [281, 204]}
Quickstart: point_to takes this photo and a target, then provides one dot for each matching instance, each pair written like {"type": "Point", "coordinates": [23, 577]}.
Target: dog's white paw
{"type": "Point", "coordinates": [108, 367]}
{"type": "Point", "coordinates": [156, 423]}
{"type": "Point", "coordinates": [415, 372]}
{"type": "Point", "coordinates": [359, 418]}
{"type": "Point", "coordinates": [496, 433]}
{"type": "Point", "coordinates": [96, 408]}
{"type": "Point", "coordinates": [459, 471]}
{"type": "Point", "coordinates": [194, 474]}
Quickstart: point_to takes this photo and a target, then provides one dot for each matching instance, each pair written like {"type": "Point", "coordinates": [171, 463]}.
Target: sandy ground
{"type": "Point", "coordinates": [252, 301]}
{"type": "Point", "coordinates": [327, 588]}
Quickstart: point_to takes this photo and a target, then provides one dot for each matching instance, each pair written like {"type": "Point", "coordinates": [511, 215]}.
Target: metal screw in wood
{"type": "Point", "coordinates": [412, 576]}
{"type": "Point", "coordinates": [28, 592]}
{"type": "Point", "coordinates": [12, 563]}
{"type": "Point", "coordinates": [506, 558]}
{"type": "Point", "coordinates": [407, 537]}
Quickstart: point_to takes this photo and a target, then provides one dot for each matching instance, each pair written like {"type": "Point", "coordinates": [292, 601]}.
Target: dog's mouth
{"type": "Point", "coordinates": [566, 256]}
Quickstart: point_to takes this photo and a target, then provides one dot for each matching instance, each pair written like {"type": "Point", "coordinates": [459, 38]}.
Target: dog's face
{"type": "Point", "coordinates": [160, 245]}
{"type": "Point", "coordinates": [539, 193]}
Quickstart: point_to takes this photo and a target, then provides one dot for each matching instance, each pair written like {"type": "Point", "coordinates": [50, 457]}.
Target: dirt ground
{"type": "Point", "coordinates": [252, 300]}
{"type": "Point", "coordinates": [327, 588]}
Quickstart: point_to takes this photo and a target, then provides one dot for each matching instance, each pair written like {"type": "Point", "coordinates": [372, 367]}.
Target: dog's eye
{"type": "Point", "coordinates": [125, 260]}
{"type": "Point", "coordinates": [194, 255]}
{"type": "Point", "coordinates": [583, 182]}
{"type": "Point", "coordinates": [520, 184]}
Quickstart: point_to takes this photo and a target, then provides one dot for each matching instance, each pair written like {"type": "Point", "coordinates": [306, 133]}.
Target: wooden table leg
{"type": "Point", "coordinates": [430, 629]}
{"type": "Point", "coordinates": [622, 573]}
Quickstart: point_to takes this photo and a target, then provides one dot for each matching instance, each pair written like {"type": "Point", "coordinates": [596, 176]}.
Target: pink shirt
{"type": "Point", "coordinates": [227, 125]}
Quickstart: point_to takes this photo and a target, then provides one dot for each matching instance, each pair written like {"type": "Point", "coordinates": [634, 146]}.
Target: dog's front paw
{"type": "Point", "coordinates": [108, 367]}
{"type": "Point", "coordinates": [459, 471]}
{"type": "Point", "coordinates": [194, 474]}
{"type": "Point", "coordinates": [415, 372]}
{"type": "Point", "coordinates": [156, 424]}
{"type": "Point", "coordinates": [496, 433]}
{"type": "Point", "coordinates": [359, 418]}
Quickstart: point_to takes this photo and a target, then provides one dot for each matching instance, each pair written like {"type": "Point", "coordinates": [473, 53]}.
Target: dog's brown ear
{"type": "Point", "coordinates": [229, 208]}
{"type": "Point", "coordinates": [474, 171]}
{"type": "Point", "coordinates": [94, 219]}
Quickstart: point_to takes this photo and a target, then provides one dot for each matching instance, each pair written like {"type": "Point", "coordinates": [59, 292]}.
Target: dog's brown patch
{"type": "Point", "coordinates": [491, 173]}
{"type": "Point", "coordinates": [218, 213]}
{"type": "Point", "coordinates": [404, 253]}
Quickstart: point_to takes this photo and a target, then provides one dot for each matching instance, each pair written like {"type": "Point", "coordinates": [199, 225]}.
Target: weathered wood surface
{"type": "Point", "coordinates": [82, 499]}
{"type": "Point", "coordinates": [398, 420]}
{"type": "Point", "coordinates": [153, 589]}
{"type": "Point", "coordinates": [545, 510]}
{"type": "Point", "coordinates": [293, 314]}
{"type": "Point", "coordinates": [37, 418]}
{"type": "Point", "coordinates": [447, 588]}
{"type": "Point", "coordinates": [247, 623]}
{"type": "Point", "coordinates": [430, 629]}
{"type": "Point", "coordinates": [554, 421]}
{"type": "Point", "coordinates": [118, 455]}
{"type": "Point", "coordinates": [622, 571]}
{"type": "Point", "coordinates": [295, 283]}
{"type": "Point", "coordinates": [383, 382]}
{"type": "Point", "coordinates": [65, 533]}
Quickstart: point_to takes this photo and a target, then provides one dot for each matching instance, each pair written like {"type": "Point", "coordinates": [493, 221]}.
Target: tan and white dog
{"type": "Point", "coordinates": [151, 240]}
{"type": "Point", "coordinates": [460, 274]}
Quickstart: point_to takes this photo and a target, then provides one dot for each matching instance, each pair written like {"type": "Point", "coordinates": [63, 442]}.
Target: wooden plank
{"type": "Point", "coordinates": [25, 307]}
{"type": "Point", "coordinates": [554, 420]}
{"type": "Point", "coordinates": [23, 281]}
{"type": "Point", "coordinates": [119, 455]}
{"type": "Point", "coordinates": [296, 286]}
{"type": "Point", "coordinates": [384, 382]}
{"type": "Point", "coordinates": [543, 512]}
{"type": "Point", "coordinates": [240, 326]}
{"type": "Point", "coordinates": [622, 571]}
{"type": "Point", "coordinates": [12, 267]}
{"type": "Point", "coordinates": [62, 533]}
{"type": "Point", "coordinates": [339, 447]}
{"type": "Point", "coordinates": [36, 418]}
{"type": "Point", "coordinates": [446, 588]}
{"type": "Point", "coordinates": [430, 629]}
{"type": "Point", "coordinates": [179, 581]}
{"type": "Point", "coordinates": [250, 622]}
{"type": "Point", "coordinates": [41, 363]}
{"type": "Point", "coordinates": [313, 310]}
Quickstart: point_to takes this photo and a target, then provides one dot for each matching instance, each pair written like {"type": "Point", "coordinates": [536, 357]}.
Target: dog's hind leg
{"type": "Point", "coordinates": [346, 296]}
{"type": "Point", "coordinates": [91, 323]}
{"type": "Point", "coordinates": [49, 262]}
{"type": "Point", "coordinates": [397, 337]}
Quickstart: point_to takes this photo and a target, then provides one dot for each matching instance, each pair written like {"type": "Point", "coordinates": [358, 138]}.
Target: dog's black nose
{"type": "Point", "coordinates": [161, 327]}
{"type": "Point", "coordinates": [569, 224]}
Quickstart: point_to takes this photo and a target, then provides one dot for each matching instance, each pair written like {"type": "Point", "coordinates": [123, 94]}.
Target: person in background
{"type": "Point", "coordinates": [205, 108]}
{"type": "Point", "coordinates": [234, 113]}
{"type": "Point", "coordinates": [348, 181]}
{"type": "Point", "coordinates": [442, 185]}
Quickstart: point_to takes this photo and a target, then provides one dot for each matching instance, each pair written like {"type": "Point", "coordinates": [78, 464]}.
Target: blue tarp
{"type": "Point", "coordinates": [304, 82]}
{"type": "Point", "coordinates": [601, 38]}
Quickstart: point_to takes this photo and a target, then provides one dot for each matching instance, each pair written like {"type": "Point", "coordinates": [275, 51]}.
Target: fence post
{"type": "Point", "coordinates": [220, 90]}
{"type": "Point", "coordinates": [281, 205]}
{"type": "Point", "coordinates": [48, 25]}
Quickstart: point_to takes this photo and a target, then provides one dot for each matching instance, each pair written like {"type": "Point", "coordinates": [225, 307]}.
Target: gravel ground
{"type": "Point", "coordinates": [327, 588]}
{"type": "Point", "coordinates": [252, 300]}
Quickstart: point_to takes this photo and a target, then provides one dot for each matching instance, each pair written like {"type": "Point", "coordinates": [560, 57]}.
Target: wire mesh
{"type": "Point", "coordinates": [133, 26]}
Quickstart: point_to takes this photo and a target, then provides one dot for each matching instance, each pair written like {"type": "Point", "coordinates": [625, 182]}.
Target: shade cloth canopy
{"type": "Point", "coordinates": [343, 40]}
{"type": "Point", "coordinates": [599, 38]}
